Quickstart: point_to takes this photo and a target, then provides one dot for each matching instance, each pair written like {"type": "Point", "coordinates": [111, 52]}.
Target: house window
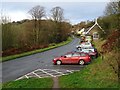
{"type": "Point", "coordinates": [95, 35]}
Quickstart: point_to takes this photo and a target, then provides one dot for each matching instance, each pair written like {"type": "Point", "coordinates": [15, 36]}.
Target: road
{"type": "Point", "coordinates": [13, 69]}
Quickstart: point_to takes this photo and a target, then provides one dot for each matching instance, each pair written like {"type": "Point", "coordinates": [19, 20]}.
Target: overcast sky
{"type": "Point", "coordinates": [75, 12]}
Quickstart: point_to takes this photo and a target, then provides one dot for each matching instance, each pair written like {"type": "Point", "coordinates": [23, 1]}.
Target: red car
{"type": "Point", "coordinates": [73, 58]}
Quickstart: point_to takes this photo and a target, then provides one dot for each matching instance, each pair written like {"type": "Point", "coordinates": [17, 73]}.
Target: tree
{"type": "Point", "coordinates": [112, 7]}
{"type": "Point", "coordinates": [5, 19]}
{"type": "Point", "coordinates": [113, 10]}
{"type": "Point", "coordinates": [57, 14]}
{"type": "Point", "coordinates": [57, 17]}
{"type": "Point", "coordinates": [6, 32]}
{"type": "Point", "coordinates": [37, 14]}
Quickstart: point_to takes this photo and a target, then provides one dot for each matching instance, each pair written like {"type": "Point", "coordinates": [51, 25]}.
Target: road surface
{"type": "Point", "coordinates": [13, 69]}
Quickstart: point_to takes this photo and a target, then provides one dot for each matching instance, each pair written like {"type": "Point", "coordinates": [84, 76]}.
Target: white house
{"type": "Point", "coordinates": [80, 31]}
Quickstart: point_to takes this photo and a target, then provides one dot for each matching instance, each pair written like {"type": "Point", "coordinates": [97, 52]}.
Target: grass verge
{"type": "Point", "coordinates": [35, 51]}
{"type": "Point", "coordinates": [30, 83]}
{"type": "Point", "coordinates": [98, 74]}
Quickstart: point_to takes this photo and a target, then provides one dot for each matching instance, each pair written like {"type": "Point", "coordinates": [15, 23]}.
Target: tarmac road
{"type": "Point", "coordinates": [13, 69]}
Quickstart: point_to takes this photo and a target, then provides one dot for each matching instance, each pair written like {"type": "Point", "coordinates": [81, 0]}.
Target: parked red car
{"type": "Point", "coordinates": [73, 58]}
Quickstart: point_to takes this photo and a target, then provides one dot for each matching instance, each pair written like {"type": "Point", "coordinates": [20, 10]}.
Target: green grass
{"type": "Point", "coordinates": [98, 43]}
{"type": "Point", "coordinates": [98, 74]}
{"type": "Point", "coordinates": [95, 75]}
{"type": "Point", "coordinates": [30, 83]}
{"type": "Point", "coordinates": [35, 51]}
{"type": "Point", "coordinates": [0, 86]}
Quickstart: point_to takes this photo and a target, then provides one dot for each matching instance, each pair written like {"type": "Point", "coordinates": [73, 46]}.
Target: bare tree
{"type": "Point", "coordinates": [57, 17]}
{"type": "Point", "coordinates": [37, 13]}
{"type": "Point", "coordinates": [112, 7]}
{"type": "Point", "coordinates": [57, 14]}
{"type": "Point", "coordinates": [4, 18]}
{"type": "Point", "coordinates": [119, 6]}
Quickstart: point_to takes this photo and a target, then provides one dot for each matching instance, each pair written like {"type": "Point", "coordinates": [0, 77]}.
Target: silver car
{"type": "Point", "coordinates": [84, 44]}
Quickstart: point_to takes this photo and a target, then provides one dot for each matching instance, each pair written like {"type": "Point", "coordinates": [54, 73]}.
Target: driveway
{"type": "Point", "coordinates": [16, 68]}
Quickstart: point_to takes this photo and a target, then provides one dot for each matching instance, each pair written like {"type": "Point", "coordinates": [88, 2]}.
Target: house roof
{"type": "Point", "coordinates": [87, 29]}
{"type": "Point", "coordinates": [96, 24]}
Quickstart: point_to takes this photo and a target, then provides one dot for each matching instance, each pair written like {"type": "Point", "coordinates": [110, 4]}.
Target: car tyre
{"type": "Point", "coordinates": [58, 62]}
{"type": "Point", "coordinates": [81, 62]}
{"type": "Point", "coordinates": [78, 48]}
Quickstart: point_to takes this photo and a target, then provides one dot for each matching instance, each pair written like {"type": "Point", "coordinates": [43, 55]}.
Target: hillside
{"type": "Point", "coordinates": [22, 36]}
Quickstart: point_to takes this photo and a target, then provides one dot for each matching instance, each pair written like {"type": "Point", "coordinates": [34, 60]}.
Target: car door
{"type": "Point", "coordinates": [67, 58]}
{"type": "Point", "coordinates": [75, 58]}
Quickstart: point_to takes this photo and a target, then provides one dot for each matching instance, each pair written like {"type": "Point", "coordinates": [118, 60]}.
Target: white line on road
{"type": "Point", "coordinates": [19, 78]}
{"type": "Point", "coordinates": [59, 72]}
{"type": "Point", "coordinates": [47, 73]}
{"type": "Point", "coordinates": [69, 71]}
{"type": "Point", "coordinates": [26, 76]}
{"type": "Point", "coordinates": [36, 74]}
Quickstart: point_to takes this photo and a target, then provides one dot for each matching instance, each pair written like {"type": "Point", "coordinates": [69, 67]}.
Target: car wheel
{"type": "Point", "coordinates": [78, 48]}
{"type": "Point", "coordinates": [58, 62]}
{"type": "Point", "coordinates": [81, 62]}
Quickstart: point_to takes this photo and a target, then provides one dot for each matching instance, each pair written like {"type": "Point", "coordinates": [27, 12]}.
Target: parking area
{"type": "Point", "coordinates": [42, 73]}
{"type": "Point", "coordinates": [24, 67]}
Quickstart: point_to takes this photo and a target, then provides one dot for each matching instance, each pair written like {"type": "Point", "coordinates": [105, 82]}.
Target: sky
{"type": "Point", "coordinates": [74, 11]}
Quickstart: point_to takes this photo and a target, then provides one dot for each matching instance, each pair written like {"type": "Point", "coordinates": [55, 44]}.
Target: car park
{"type": "Point", "coordinates": [73, 58]}
{"type": "Point", "coordinates": [83, 54]}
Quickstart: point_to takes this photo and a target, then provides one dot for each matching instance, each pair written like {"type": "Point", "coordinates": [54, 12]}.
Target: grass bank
{"type": "Point", "coordinates": [98, 74]}
{"type": "Point", "coordinates": [35, 51]}
{"type": "Point", "coordinates": [30, 83]}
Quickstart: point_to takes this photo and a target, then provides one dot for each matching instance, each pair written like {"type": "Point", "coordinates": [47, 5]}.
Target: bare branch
{"type": "Point", "coordinates": [37, 12]}
{"type": "Point", "coordinates": [57, 14]}
{"type": "Point", "coordinates": [112, 8]}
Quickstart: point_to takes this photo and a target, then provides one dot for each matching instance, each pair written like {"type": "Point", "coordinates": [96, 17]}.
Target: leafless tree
{"type": "Point", "coordinates": [112, 7]}
{"type": "Point", "coordinates": [37, 13]}
{"type": "Point", "coordinates": [57, 14]}
{"type": "Point", "coordinates": [4, 18]}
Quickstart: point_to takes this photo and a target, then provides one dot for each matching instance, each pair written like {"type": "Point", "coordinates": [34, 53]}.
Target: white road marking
{"type": "Point", "coordinates": [59, 72]}
{"type": "Point", "coordinates": [69, 71]}
{"type": "Point", "coordinates": [47, 73]}
{"type": "Point", "coordinates": [36, 70]}
{"type": "Point", "coordinates": [19, 78]}
{"type": "Point", "coordinates": [36, 75]}
{"type": "Point", "coordinates": [26, 76]}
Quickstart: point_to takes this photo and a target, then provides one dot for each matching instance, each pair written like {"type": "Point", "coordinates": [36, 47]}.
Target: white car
{"type": "Point", "coordinates": [84, 44]}
{"type": "Point", "coordinates": [92, 49]}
